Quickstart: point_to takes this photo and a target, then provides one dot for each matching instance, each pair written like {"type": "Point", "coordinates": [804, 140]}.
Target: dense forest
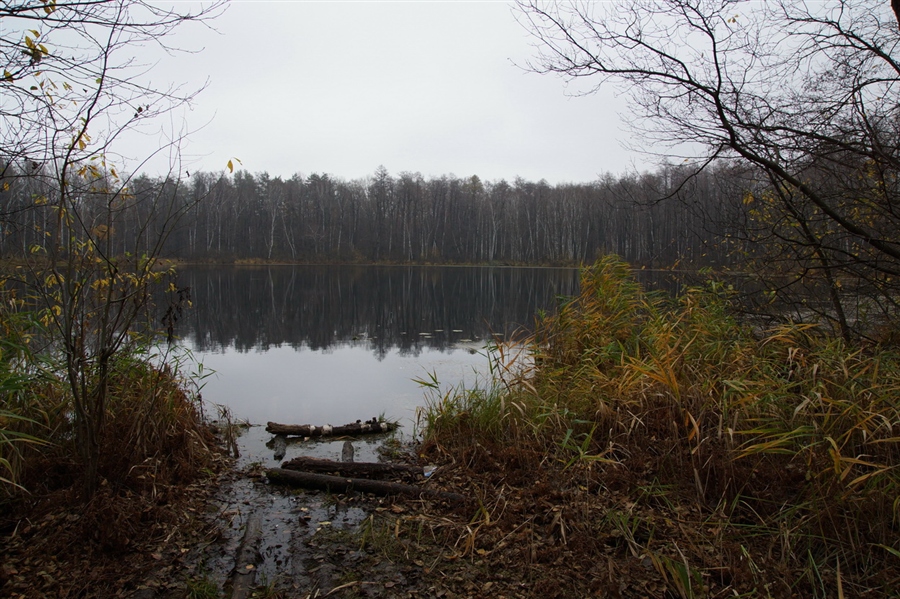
{"type": "Point", "coordinates": [726, 215]}
{"type": "Point", "coordinates": [388, 218]}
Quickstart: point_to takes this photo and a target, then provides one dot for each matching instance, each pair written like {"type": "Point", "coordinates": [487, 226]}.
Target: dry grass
{"type": "Point", "coordinates": [155, 440]}
{"type": "Point", "coordinates": [158, 458]}
{"type": "Point", "coordinates": [723, 460]}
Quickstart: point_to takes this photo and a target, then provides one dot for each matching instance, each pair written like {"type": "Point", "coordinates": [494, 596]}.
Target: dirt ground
{"type": "Point", "coordinates": [313, 544]}
{"type": "Point", "coordinates": [518, 537]}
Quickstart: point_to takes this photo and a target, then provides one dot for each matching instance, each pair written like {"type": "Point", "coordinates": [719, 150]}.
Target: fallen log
{"type": "Point", "coordinates": [365, 469]}
{"type": "Point", "coordinates": [308, 430]}
{"type": "Point", "coordinates": [337, 484]}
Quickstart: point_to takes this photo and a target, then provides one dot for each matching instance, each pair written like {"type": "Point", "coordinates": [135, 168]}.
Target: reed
{"type": "Point", "coordinates": [25, 416]}
{"type": "Point", "coordinates": [155, 434]}
{"type": "Point", "coordinates": [784, 442]}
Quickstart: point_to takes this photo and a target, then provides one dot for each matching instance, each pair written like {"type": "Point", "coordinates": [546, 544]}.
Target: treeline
{"type": "Point", "coordinates": [384, 218]}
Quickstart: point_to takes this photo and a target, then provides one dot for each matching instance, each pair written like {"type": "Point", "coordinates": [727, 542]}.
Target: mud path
{"type": "Point", "coordinates": [311, 544]}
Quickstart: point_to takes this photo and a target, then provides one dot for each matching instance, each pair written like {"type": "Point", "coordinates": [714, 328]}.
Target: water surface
{"type": "Point", "coordinates": [330, 345]}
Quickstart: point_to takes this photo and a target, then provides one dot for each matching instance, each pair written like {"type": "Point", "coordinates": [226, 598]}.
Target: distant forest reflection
{"type": "Point", "coordinates": [383, 307]}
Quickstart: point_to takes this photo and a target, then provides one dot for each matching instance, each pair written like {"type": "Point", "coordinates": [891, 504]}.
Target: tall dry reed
{"type": "Point", "coordinates": [785, 437]}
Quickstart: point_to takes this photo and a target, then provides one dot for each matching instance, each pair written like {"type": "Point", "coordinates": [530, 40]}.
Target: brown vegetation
{"type": "Point", "coordinates": [660, 446]}
{"type": "Point", "coordinates": [155, 457]}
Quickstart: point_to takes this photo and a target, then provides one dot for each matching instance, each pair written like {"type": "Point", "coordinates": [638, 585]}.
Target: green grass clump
{"type": "Point", "coordinates": [203, 587]}
{"type": "Point", "coordinates": [785, 441]}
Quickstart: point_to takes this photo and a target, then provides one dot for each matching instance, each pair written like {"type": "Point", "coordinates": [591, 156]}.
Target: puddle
{"type": "Point", "coordinates": [305, 534]}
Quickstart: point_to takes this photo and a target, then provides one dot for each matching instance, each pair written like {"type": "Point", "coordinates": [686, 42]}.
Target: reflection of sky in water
{"type": "Point", "coordinates": [332, 345]}
{"type": "Point", "coordinates": [336, 386]}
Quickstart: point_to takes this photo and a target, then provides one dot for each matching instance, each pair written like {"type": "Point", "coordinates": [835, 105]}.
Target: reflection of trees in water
{"type": "Point", "coordinates": [384, 307]}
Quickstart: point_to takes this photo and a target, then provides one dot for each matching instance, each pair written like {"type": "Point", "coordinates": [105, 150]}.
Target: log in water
{"type": "Point", "coordinates": [308, 430]}
{"type": "Point", "coordinates": [365, 469]}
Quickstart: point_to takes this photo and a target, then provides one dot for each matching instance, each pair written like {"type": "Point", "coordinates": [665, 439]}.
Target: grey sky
{"type": "Point", "coordinates": [343, 87]}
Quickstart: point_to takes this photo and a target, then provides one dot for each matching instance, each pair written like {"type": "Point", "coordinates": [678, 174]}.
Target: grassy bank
{"type": "Point", "coordinates": [155, 453]}
{"type": "Point", "coordinates": [652, 445]}
{"type": "Point", "coordinates": [153, 435]}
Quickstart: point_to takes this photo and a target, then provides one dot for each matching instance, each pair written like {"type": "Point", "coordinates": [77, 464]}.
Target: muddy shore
{"type": "Point", "coordinates": [310, 543]}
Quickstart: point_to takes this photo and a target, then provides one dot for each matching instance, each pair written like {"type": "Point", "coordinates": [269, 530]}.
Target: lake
{"type": "Point", "coordinates": [335, 344]}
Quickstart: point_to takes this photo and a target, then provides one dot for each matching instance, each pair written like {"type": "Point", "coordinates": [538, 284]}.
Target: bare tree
{"type": "Point", "coordinates": [70, 87]}
{"type": "Point", "coordinates": [808, 94]}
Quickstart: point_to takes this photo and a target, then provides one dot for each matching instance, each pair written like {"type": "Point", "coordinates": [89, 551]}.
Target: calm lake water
{"type": "Point", "coordinates": [334, 344]}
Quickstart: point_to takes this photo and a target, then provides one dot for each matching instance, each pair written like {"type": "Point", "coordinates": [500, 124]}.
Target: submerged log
{"type": "Point", "coordinates": [366, 469]}
{"type": "Point", "coordinates": [308, 430]}
{"type": "Point", "coordinates": [336, 484]}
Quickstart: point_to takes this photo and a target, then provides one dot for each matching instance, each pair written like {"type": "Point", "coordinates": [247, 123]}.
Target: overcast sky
{"type": "Point", "coordinates": [429, 87]}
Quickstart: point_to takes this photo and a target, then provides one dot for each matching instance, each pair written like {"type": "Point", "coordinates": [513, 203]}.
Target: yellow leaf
{"type": "Point", "coordinates": [101, 232]}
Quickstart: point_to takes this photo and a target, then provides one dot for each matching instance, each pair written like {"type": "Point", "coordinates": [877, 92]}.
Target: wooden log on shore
{"type": "Point", "coordinates": [364, 469]}
{"type": "Point", "coordinates": [308, 430]}
{"type": "Point", "coordinates": [337, 484]}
